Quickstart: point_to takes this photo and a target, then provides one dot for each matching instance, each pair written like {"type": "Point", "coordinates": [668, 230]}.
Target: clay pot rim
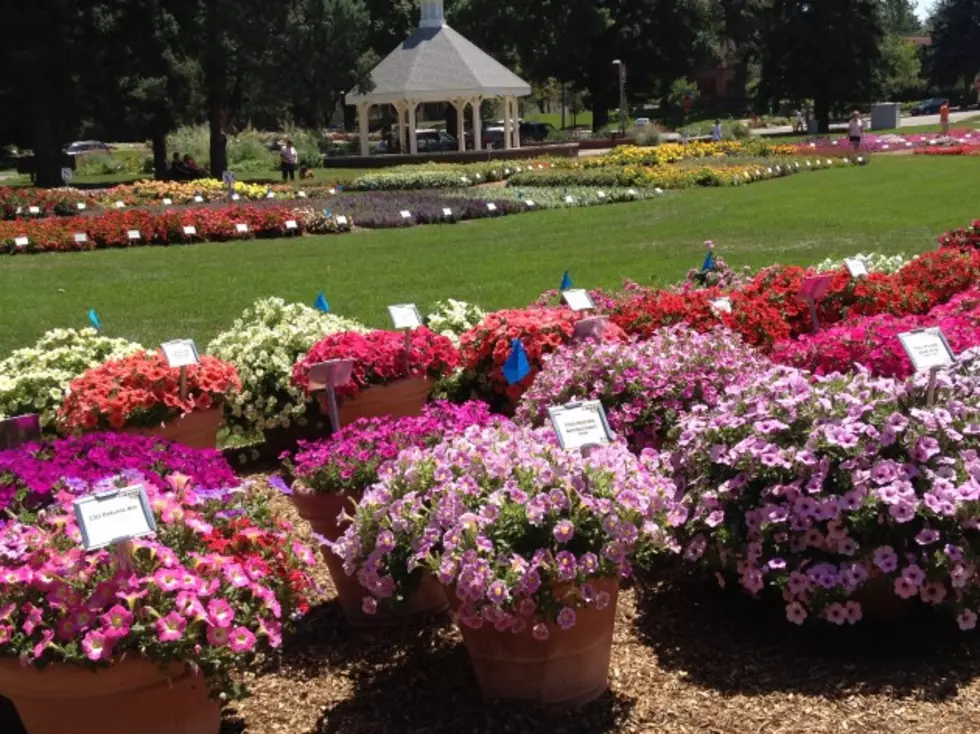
{"type": "Point", "coordinates": [68, 681]}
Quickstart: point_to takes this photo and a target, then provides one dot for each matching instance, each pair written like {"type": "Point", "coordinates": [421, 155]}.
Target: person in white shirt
{"type": "Point", "coordinates": [716, 132]}
{"type": "Point", "coordinates": [855, 129]}
{"type": "Point", "coordinates": [289, 158]}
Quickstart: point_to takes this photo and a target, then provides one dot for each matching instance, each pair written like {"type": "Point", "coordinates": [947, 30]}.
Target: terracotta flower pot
{"type": "Point", "coordinates": [567, 670]}
{"type": "Point", "coordinates": [321, 512]}
{"type": "Point", "coordinates": [398, 399]}
{"type": "Point", "coordinates": [131, 696]}
{"type": "Point", "coordinates": [199, 429]}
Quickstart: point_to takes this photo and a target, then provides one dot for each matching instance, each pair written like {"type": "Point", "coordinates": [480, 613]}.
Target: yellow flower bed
{"type": "Point", "coordinates": [629, 155]}
{"type": "Point", "coordinates": [184, 192]}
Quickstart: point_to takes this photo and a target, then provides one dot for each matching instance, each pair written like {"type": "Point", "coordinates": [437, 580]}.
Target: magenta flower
{"type": "Point", "coordinates": [967, 620]}
{"type": "Point", "coordinates": [795, 612]}
{"type": "Point", "coordinates": [220, 613]}
{"type": "Point", "coordinates": [95, 646]}
{"type": "Point", "coordinates": [369, 605]}
{"type": "Point", "coordinates": [218, 636]}
{"type": "Point", "coordinates": [242, 640]}
{"type": "Point", "coordinates": [564, 531]}
{"type": "Point", "coordinates": [171, 627]}
{"type": "Point", "coordinates": [167, 579]}
{"type": "Point", "coordinates": [602, 599]}
{"type": "Point", "coordinates": [116, 622]}
{"type": "Point", "coordinates": [566, 618]}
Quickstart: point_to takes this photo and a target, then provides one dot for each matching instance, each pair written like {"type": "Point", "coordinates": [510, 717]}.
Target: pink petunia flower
{"type": "Point", "coordinates": [967, 620]}
{"type": "Point", "coordinates": [96, 646]}
{"type": "Point", "coordinates": [796, 613]}
{"type": "Point", "coordinates": [566, 618]}
{"type": "Point", "coordinates": [242, 640]}
{"type": "Point", "coordinates": [220, 613]}
{"type": "Point", "coordinates": [171, 628]}
{"type": "Point", "coordinates": [218, 636]}
{"type": "Point", "coordinates": [117, 622]}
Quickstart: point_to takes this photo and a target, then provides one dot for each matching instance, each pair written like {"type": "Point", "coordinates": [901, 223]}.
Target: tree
{"type": "Point", "coordinates": [826, 51]}
{"type": "Point", "coordinates": [900, 18]}
{"type": "Point", "coordinates": [741, 23]}
{"type": "Point", "coordinates": [899, 75]}
{"type": "Point", "coordinates": [44, 50]}
{"type": "Point", "coordinates": [953, 59]}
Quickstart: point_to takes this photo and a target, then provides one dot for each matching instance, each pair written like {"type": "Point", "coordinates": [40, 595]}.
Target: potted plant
{"type": "Point", "coordinates": [531, 543]}
{"type": "Point", "coordinates": [263, 345]}
{"type": "Point", "coordinates": [35, 379]}
{"type": "Point", "coordinates": [330, 476]}
{"type": "Point", "coordinates": [843, 497]}
{"type": "Point", "coordinates": [142, 394]}
{"type": "Point", "coordinates": [385, 380]}
{"type": "Point", "coordinates": [644, 386]}
{"type": "Point", "coordinates": [145, 639]}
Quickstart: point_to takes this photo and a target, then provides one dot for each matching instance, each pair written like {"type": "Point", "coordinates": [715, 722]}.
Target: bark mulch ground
{"type": "Point", "coordinates": [687, 657]}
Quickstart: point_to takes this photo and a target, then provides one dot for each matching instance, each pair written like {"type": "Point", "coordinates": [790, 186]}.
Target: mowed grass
{"type": "Point", "coordinates": [896, 204]}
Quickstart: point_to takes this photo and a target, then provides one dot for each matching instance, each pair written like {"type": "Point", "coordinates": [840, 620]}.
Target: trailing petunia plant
{"type": "Point", "coordinates": [644, 386]}
{"type": "Point", "coordinates": [35, 379]}
{"type": "Point", "coordinates": [263, 345]}
{"type": "Point", "coordinates": [841, 495]}
{"type": "Point", "coordinates": [143, 390]}
{"type": "Point", "coordinates": [212, 589]}
{"type": "Point", "coordinates": [525, 533]}
{"type": "Point", "coordinates": [380, 358]}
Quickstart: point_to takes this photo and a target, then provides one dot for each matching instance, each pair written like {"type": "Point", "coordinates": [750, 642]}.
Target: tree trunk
{"type": "Point", "coordinates": [600, 106]}
{"type": "Point", "coordinates": [741, 84]}
{"type": "Point", "coordinates": [47, 146]}
{"type": "Point", "coordinates": [160, 171]}
{"type": "Point", "coordinates": [217, 90]}
{"type": "Point", "coordinates": [821, 112]}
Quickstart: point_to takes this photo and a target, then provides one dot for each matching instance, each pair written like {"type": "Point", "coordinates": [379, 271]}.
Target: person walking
{"type": "Point", "coordinates": [716, 132]}
{"type": "Point", "coordinates": [944, 118]}
{"type": "Point", "coordinates": [855, 130]}
{"type": "Point", "coordinates": [289, 158]}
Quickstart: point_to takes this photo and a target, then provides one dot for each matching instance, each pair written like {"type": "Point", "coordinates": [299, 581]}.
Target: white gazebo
{"type": "Point", "coordinates": [436, 64]}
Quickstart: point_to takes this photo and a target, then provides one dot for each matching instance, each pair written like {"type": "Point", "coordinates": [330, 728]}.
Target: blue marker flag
{"type": "Point", "coordinates": [340, 189]}
{"type": "Point", "coordinates": [709, 263]}
{"type": "Point", "coordinates": [327, 213]}
{"type": "Point", "coordinates": [320, 304]}
{"type": "Point", "coordinates": [94, 318]}
{"type": "Point", "coordinates": [566, 282]}
{"type": "Point", "coordinates": [516, 368]}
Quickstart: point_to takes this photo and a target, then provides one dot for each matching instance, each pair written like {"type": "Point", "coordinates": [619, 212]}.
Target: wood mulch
{"type": "Point", "coordinates": [687, 657]}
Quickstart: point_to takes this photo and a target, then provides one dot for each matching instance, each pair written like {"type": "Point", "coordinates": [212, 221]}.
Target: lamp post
{"type": "Point", "coordinates": [622, 96]}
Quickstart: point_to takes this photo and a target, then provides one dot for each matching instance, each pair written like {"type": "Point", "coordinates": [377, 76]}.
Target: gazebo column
{"type": "Point", "coordinates": [508, 133]}
{"type": "Point", "coordinates": [516, 118]}
{"type": "Point", "coordinates": [362, 122]}
{"type": "Point", "coordinates": [413, 141]}
{"type": "Point", "coordinates": [400, 109]}
{"type": "Point", "coordinates": [460, 105]}
{"type": "Point", "coordinates": [477, 125]}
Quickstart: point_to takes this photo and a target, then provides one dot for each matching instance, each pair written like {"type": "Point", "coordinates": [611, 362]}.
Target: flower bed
{"type": "Point", "coordinates": [438, 176]}
{"type": "Point", "coordinates": [875, 262]}
{"type": "Point", "coordinates": [263, 345]}
{"type": "Point", "coordinates": [840, 495]}
{"type": "Point", "coordinates": [213, 588]}
{"type": "Point", "coordinates": [35, 379]}
{"type": "Point", "coordinates": [891, 142]}
{"type": "Point", "coordinates": [142, 390]}
{"type": "Point", "coordinates": [32, 474]}
{"type": "Point", "coordinates": [450, 318]}
{"type": "Point", "coordinates": [645, 387]}
{"type": "Point", "coordinates": [963, 238]}
{"type": "Point", "coordinates": [19, 202]}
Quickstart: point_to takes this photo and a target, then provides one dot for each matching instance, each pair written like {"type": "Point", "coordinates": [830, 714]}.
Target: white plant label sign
{"type": "Point", "coordinates": [581, 424]}
{"type": "Point", "coordinates": [927, 348]}
{"type": "Point", "coordinates": [405, 316]}
{"type": "Point", "coordinates": [342, 221]}
{"type": "Point", "coordinates": [34, 210]}
{"type": "Point", "coordinates": [235, 197]}
{"type": "Point", "coordinates": [133, 234]}
{"type": "Point", "coordinates": [80, 237]}
{"type": "Point", "coordinates": [332, 373]}
{"type": "Point", "coordinates": [198, 199]}
{"type": "Point", "coordinates": [21, 242]}
{"type": "Point", "coordinates": [241, 228]}
{"type": "Point", "coordinates": [405, 214]}
{"type": "Point", "coordinates": [291, 224]}
{"type": "Point", "coordinates": [530, 204]}
{"type": "Point", "coordinates": [856, 267]}
{"type": "Point", "coordinates": [114, 516]}
{"type": "Point", "coordinates": [168, 202]}
{"type": "Point", "coordinates": [721, 305]}
{"type": "Point", "coordinates": [447, 212]}
{"type": "Point", "coordinates": [81, 206]}
{"type": "Point", "coordinates": [181, 353]}
{"type": "Point", "coordinates": [190, 230]}
{"type": "Point", "coordinates": [120, 205]}
{"type": "Point", "coordinates": [491, 207]}
{"type": "Point", "coordinates": [578, 299]}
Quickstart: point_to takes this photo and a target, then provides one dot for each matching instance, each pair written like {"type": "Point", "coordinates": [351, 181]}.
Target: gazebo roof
{"type": "Point", "coordinates": [437, 64]}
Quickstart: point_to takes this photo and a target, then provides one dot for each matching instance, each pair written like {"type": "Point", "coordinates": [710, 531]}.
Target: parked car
{"type": "Point", "coordinates": [435, 141]}
{"type": "Point", "coordinates": [929, 106]}
{"type": "Point", "coordinates": [87, 146]}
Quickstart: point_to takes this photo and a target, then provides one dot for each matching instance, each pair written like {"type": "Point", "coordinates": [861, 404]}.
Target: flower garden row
{"type": "Point", "coordinates": [527, 191]}
{"type": "Point", "coordinates": [841, 497]}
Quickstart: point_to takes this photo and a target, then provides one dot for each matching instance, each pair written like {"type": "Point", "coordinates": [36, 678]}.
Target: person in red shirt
{"type": "Point", "coordinates": [944, 118]}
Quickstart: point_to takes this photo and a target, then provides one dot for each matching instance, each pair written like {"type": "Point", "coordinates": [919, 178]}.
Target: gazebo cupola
{"type": "Point", "coordinates": [437, 64]}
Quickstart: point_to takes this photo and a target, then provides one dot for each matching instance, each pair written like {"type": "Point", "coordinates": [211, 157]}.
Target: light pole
{"type": "Point", "coordinates": [622, 96]}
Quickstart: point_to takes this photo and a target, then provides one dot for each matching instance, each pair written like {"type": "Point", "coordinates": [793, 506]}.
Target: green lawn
{"type": "Point", "coordinates": [153, 294]}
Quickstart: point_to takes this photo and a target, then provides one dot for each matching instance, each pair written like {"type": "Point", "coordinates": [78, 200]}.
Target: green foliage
{"type": "Point", "coordinates": [899, 76]}
{"type": "Point", "coordinates": [953, 59]}
{"type": "Point", "coordinates": [839, 38]}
